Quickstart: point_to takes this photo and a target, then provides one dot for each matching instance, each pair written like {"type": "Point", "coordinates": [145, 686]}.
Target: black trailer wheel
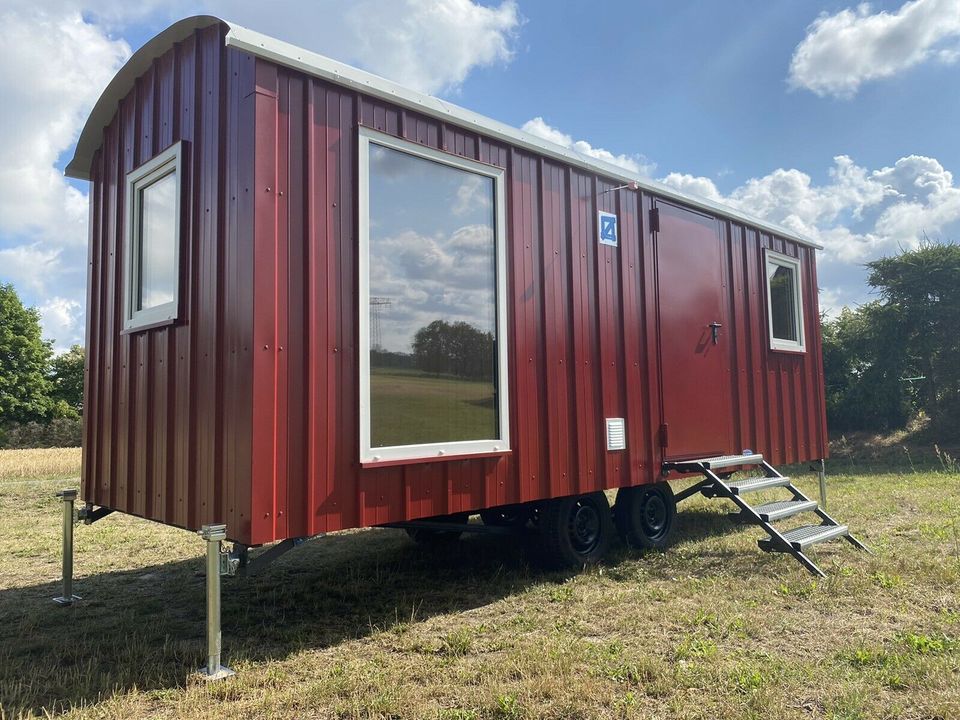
{"type": "Point", "coordinates": [644, 515]}
{"type": "Point", "coordinates": [575, 531]}
{"type": "Point", "coordinates": [427, 536]}
{"type": "Point", "coordinates": [515, 516]}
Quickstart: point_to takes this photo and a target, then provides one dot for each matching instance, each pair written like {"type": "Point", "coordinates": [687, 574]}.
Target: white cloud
{"type": "Point", "coordinates": [694, 185]}
{"type": "Point", "coordinates": [858, 214]}
{"type": "Point", "coordinates": [789, 197]}
{"type": "Point", "coordinates": [61, 318]}
{"type": "Point", "coordinates": [853, 46]}
{"type": "Point", "coordinates": [429, 45]}
{"type": "Point", "coordinates": [29, 266]}
{"type": "Point", "coordinates": [54, 68]}
{"type": "Point", "coordinates": [57, 55]}
{"type": "Point", "coordinates": [916, 196]}
{"type": "Point", "coordinates": [634, 163]}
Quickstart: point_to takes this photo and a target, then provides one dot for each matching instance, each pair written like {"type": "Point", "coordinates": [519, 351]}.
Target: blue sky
{"type": "Point", "coordinates": [836, 119]}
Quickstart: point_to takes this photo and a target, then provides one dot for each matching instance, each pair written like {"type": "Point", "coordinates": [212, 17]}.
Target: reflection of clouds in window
{"type": "Point", "coordinates": [157, 242]}
{"type": "Point", "coordinates": [456, 197]}
{"type": "Point", "coordinates": [473, 194]}
{"type": "Point", "coordinates": [430, 278]}
{"type": "Point", "coordinates": [432, 249]}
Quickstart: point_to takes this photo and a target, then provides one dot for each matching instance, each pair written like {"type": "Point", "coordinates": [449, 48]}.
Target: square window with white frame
{"type": "Point", "coordinates": [432, 303]}
{"type": "Point", "coordinates": [152, 241]}
{"type": "Point", "coordinates": [784, 302]}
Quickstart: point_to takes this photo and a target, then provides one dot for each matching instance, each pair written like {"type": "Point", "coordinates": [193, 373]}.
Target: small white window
{"type": "Point", "coordinates": [152, 242]}
{"type": "Point", "coordinates": [433, 324]}
{"type": "Point", "coordinates": [784, 302]}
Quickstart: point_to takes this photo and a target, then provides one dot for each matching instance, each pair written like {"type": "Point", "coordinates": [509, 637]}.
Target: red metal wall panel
{"type": "Point", "coordinates": [246, 411]}
{"type": "Point", "coordinates": [168, 419]}
{"type": "Point", "coordinates": [582, 327]}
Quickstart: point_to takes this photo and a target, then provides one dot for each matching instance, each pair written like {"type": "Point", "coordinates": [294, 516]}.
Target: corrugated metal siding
{"type": "Point", "coordinates": [167, 421]}
{"type": "Point", "coordinates": [582, 329]}
{"type": "Point", "coordinates": [246, 412]}
{"type": "Point", "coordinates": [778, 397]}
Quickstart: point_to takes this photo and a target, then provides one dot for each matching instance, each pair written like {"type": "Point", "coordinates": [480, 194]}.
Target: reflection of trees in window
{"type": "Point", "coordinates": [458, 349]}
{"type": "Point", "coordinates": [388, 359]}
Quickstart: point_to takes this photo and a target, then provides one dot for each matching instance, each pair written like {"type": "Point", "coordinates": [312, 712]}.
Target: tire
{"type": "Point", "coordinates": [515, 516]}
{"type": "Point", "coordinates": [575, 531]}
{"type": "Point", "coordinates": [438, 538]}
{"type": "Point", "coordinates": [644, 515]}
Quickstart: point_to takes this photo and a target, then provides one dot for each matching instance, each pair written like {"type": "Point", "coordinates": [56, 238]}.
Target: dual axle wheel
{"type": "Point", "coordinates": [578, 530]}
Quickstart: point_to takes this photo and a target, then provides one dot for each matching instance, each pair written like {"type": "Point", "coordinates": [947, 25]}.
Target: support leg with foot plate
{"type": "Point", "coordinates": [214, 535]}
{"type": "Point", "coordinates": [67, 597]}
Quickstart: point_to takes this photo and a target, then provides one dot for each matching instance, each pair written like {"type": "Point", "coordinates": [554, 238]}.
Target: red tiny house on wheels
{"type": "Point", "coordinates": [230, 385]}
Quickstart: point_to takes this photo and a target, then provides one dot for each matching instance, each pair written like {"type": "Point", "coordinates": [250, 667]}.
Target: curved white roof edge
{"type": "Point", "coordinates": [91, 137]}
{"type": "Point", "coordinates": [311, 63]}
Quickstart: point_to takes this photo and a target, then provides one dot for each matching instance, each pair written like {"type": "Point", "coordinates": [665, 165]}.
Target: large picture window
{"type": "Point", "coordinates": [432, 285]}
{"type": "Point", "coordinates": [152, 241]}
{"type": "Point", "coordinates": [784, 302]}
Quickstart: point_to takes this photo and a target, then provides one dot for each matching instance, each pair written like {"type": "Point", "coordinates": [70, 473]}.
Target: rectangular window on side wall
{"type": "Point", "coordinates": [433, 345]}
{"type": "Point", "coordinates": [784, 302]}
{"type": "Point", "coordinates": [151, 282]}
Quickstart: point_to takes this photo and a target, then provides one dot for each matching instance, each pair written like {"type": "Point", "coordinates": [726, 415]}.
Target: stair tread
{"type": "Point", "coordinates": [781, 509]}
{"type": "Point", "coordinates": [754, 484]}
{"type": "Point", "coordinates": [721, 461]}
{"type": "Point", "coordinates": [807, 535]}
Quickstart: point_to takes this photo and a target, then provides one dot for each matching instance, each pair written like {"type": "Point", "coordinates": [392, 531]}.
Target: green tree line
{"type": "Point", "coordinates": [41, 395]}
{"type": "Point", "coordinates": [888, 360]}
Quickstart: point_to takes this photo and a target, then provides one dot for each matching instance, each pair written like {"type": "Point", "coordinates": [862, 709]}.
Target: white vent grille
{"type": "Point", "coordinates": [616, 434]}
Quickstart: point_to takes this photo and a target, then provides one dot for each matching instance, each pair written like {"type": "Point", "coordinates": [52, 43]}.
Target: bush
{"type": "Point", "coordinates": [59, 432]}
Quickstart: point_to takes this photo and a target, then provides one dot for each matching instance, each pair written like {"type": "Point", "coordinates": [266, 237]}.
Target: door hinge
{"type": "Point", "coordinates": [654, 220]}
{"type": "Point", "coordinates": [664, 436]}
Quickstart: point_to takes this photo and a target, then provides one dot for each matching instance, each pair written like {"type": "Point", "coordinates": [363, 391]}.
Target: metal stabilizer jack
{"type": "Point", "coordinates": [216, 562]}
{"type": "Point", "coordinates": [67, 597]}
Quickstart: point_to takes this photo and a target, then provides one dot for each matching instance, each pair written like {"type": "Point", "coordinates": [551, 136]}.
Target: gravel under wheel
{"type": "Point", "coordinates": [575, 531]}
{"type": "Point", "coordinates": [644, 515]}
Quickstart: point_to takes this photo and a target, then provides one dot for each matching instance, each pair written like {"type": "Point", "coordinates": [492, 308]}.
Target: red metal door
{"type": "Point", "coordinates": [694, 335]}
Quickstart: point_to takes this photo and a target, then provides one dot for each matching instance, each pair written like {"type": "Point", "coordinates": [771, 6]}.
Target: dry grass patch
{"type": "Point", "coordinates": [368, 625]}
{"type": "Point", "coordinates": [41, 463]}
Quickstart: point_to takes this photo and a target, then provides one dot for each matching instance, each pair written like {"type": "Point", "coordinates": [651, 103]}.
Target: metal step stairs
{"type": "Point", "coordinates": [794, 541]}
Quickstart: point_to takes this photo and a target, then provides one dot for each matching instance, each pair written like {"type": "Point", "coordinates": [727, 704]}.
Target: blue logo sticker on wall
{"type": "Point", "coordinates": [607, 222]}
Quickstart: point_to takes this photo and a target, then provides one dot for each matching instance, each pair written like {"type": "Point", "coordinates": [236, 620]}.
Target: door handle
{"type": "Point", "coordinates": [715, 331]}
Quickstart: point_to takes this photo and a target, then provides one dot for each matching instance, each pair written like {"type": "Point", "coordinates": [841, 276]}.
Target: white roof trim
{"type": "Point", "coordinates": [312, 63]}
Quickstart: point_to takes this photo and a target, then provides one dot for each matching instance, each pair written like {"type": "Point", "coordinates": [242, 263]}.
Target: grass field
{"type": "Point", "coordinates": [367, 625]}
{"type": "Point", "coordinates": [410, 407]}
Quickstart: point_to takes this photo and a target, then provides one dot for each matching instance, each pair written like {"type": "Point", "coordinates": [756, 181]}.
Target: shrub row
{"type": "Point", "coordinates": [59, 432]}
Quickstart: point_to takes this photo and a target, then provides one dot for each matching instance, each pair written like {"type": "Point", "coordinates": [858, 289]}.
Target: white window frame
{"type": "Point", "coordinates": [440, 450]}
{"type": "Point", "coordinates": [776, 259]}
{"type": "Point", "coordinates": [166, 162]}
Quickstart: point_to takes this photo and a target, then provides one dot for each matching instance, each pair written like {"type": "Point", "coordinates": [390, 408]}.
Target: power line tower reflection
{"type": "Point", "coordinates": [376, 307]}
